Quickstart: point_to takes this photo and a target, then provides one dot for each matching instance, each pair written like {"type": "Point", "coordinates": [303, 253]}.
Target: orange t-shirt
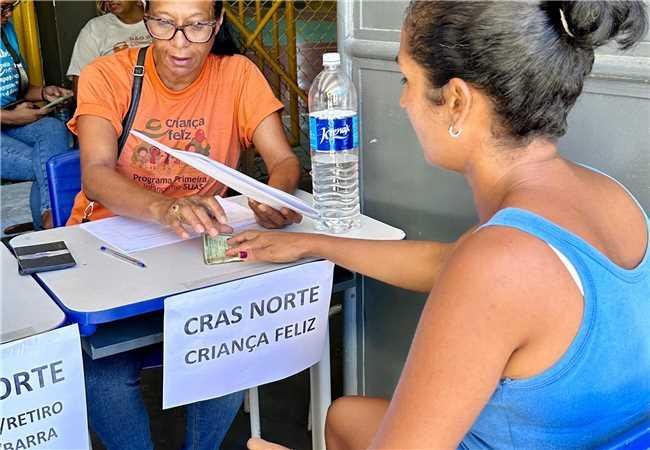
{"type": "Point", "coordinates": [216, 116]}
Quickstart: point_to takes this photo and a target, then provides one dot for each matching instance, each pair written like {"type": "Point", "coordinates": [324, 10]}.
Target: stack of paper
{"type": "Point", "coordinates": [239, 217]}
{"type": "Point", "coordinates": [236, 180]}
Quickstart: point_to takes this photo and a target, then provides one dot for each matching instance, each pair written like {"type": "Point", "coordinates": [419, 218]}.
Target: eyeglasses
{"type": "Point", "coordinates": [6, 8]}
{"type": "Point", "coordinates": [197, 32]}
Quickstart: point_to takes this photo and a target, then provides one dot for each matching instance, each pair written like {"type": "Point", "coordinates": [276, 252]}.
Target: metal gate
{"type": "Point", "coordinates": [286, 39]}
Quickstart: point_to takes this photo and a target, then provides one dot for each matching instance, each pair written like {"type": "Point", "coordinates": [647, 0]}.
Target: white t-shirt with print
{"type": "Point", "coordinates": [104, 35]}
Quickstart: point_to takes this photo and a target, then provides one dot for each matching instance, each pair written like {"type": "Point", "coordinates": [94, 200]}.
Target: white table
{"type": "Point", "coordinates": [101, 288]}
{"type": "Point", "coordinates": [26, 308]}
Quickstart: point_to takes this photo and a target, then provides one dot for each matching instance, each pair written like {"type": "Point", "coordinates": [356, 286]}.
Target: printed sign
{"type": "Point", "coordinates": [244, 333]}
{"type": "Point", "coordinates": [42, 395]}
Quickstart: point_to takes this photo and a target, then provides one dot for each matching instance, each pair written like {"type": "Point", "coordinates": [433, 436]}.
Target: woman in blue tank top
{"type": "Point", "coordinates": [536, 332]}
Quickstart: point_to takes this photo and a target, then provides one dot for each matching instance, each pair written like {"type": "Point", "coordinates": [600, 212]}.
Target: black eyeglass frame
{"type": "Point", "coordinates": [6, 7]}
{"type": "Point", "coordinates": [177, 28]}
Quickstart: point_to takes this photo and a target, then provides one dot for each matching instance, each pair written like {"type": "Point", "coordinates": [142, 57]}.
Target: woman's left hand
{"type": "Point", "coordinates": [273, 218]}
{"type": "Point", "coordinates": [51, 93]}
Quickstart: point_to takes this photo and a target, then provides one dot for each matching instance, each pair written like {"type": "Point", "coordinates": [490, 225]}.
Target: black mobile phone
{"type": "Point", "coordinates": [57, 101]}
{"type": "Point", "coordinates": [12, 105]}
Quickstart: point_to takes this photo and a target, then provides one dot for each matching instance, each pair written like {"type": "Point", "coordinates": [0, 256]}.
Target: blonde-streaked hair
{"type": "Point", "coordinates": [102, 6]}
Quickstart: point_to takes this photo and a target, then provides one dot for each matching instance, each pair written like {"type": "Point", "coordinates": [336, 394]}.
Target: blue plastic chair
{"type": "Point", "coordinates": [635, 438]}
{"type": "Point", "coordinates": [64, 182]}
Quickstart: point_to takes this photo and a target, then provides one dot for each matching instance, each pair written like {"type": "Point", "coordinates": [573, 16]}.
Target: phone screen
{"type": "Point", "coordinates": [57, 101]}
{"type": "Point", "coordinates": [12, 105]}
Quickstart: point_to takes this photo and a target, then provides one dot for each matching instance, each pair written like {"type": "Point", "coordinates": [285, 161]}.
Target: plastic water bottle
{"type": "Point", "coordinates": [334, 142]}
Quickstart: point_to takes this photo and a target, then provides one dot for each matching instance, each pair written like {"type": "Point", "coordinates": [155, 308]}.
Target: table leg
{"type": "Point", "coordinates": [350, 386]}
{"type": "Point", "coordinates": [87, 329]}
{"type": "Point", "coordinates": [321, 396]}
{"type": "Point", "coordinates": [254, 405]}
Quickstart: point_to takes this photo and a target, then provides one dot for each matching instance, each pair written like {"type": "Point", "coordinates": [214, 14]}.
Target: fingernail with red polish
{"type": "Point", "coordinates": [243, 254]}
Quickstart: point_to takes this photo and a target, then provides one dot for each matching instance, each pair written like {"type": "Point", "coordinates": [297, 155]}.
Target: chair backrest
{"type": "Point", "coordinates": [64, 182]}
{"type": "Point", "coordinates": [636, 438]}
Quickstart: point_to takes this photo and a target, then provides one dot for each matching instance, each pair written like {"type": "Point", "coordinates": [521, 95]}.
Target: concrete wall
{"type": "Point", "coordinates": [59, 24]}
{"type": "Point", "coordinates": [609, 129]}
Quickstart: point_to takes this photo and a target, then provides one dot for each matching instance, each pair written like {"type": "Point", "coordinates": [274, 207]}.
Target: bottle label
{"type": "Point", "coordinates": [340, 134]}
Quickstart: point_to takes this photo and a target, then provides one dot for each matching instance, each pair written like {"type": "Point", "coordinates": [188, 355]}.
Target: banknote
{"type": "Point", "coordinates": [214, 249]}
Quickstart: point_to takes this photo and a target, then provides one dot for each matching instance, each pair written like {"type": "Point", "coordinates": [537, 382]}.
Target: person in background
{"type": "Point", "coordinates": [197, 96]}
{"type": "Point", "coordinates": [536, 331]}
{"type": "Point", "coordinates": [121, 28]}
{"type": "Point", "coordinates": [29, 137]}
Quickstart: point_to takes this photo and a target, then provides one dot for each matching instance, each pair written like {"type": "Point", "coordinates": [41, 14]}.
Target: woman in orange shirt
{"type": "Point", "coordinates": [199, 96]}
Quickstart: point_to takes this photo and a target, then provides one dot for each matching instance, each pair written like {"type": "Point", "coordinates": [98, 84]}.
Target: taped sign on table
{"type": "Point", "coordinates": [42, 395]}
{"type": "Point", "coordinates": [245, 333]}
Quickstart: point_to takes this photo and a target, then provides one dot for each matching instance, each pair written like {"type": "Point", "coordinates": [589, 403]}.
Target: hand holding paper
{"type": "Point", "coordinates": [236, 180]}
{"type": "Point", "coordinates": [273, 218]}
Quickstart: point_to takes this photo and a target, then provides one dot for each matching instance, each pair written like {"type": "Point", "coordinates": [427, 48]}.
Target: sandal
{"type": "Point", "coordinates": [46, 219]}
{"type": "Point", "coordinates": [19, 228]}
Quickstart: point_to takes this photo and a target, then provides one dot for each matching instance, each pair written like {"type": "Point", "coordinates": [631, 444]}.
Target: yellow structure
{"type": "Point", "coordinates": [26, 26]}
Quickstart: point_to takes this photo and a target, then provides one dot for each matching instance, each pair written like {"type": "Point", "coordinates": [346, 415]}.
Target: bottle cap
{"type": "Point", "coordinates": [331, 58]}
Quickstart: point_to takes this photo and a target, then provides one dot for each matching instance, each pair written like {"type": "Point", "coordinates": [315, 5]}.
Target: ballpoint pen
{"type": "Point", "coordinates": [122, 256]}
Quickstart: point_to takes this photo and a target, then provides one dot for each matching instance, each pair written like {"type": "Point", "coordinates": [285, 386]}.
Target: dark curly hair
{"type": "Point", "coordinates": [225, 42]}
{"type": "Point", "coordinates": [520, 54]}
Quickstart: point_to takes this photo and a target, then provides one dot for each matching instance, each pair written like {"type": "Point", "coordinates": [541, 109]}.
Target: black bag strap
{"type": "Point", "coordinates": [136, 88]}
{"type": "Point", "coordinates": [127, 123]}
{"type": "Point", "coordinates": [23, 84]}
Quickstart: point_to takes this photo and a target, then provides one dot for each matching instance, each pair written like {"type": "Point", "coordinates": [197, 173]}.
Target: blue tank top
{"type": "Point", "coordinates": [601, 385]}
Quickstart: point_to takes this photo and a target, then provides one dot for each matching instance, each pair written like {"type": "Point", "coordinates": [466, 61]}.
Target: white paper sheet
{"type": "Point", "coordinates": [132, 235]}
{"type": "Point", "coordinates": [236, 180]}
{"type": "Point", "coordinates": [239, 217]}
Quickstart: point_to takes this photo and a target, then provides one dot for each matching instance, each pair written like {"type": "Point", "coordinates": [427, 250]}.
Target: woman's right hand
{"type": "Point", "coordinates": [202, 214]}
{"type": "Point", "coordinates": [271, 246]}
{"type": "Point", "coordinates": [24, 113]}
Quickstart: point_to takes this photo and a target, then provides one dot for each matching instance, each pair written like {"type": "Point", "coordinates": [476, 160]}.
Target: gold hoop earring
{"type": "Point", "coordinates": [454, 134]}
